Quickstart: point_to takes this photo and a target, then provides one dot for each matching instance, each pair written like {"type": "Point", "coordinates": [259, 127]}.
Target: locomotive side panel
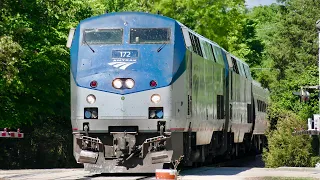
{"type": "Point", "coordinates": [205, 118]}
{"type": "Point", "coordinates": [261, 102]}
{"type": "Point", "coordinates": [240, 100]}
{"type": "Point", "coordinates": [207, 81]}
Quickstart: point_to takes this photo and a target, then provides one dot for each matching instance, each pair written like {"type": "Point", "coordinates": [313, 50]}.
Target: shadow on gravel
{"type": "Point", "coordinates": [144, 175]}
{"type": "Point", "coordinates": [234, 167]}
{"type": "Point", "coordinates": [256, 162]}
{"type": "Point", "coordinates": [209, 171]}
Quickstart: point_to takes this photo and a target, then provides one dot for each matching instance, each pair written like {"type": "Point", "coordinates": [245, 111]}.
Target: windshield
{"type": "Point", "coordinates": [149, 35]}
{"type": "Point", "coordinates": [103, 36]}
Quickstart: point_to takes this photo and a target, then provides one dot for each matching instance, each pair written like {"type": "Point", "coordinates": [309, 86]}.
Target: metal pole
{"type": "Point", "coordinates": [318, 29]}
{"type": "Point", "coordinates": [319, 64]}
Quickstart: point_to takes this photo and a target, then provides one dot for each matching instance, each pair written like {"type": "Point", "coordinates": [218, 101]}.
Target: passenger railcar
{"type": "Point", "coordinates": [145, 90]}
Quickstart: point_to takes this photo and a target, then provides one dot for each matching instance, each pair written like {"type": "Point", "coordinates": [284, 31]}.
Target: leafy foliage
{"type": "Point", "coordinates": [34, 64]}
{"type": "Point", "coordinates": [286, 149]}
{"type": "Point", "coordinates": [9, 55]}
{"type": "Point", "coordinates": [34, 85]}
{"type": "Point", "coordinates": [290, 39]}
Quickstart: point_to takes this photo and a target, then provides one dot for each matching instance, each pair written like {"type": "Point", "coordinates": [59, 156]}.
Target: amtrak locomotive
{"type": "Point", "coordinates": [147, 90]}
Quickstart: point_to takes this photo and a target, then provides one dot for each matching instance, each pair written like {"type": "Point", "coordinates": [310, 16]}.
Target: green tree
{"type": "Point", "coordinates": [34, 85]}
{"type": "Point", "coordinates": [290, 49]}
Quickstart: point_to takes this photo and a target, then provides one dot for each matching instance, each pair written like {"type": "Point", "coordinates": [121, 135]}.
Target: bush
{"type": "Point", "coordinates": [286, 149]}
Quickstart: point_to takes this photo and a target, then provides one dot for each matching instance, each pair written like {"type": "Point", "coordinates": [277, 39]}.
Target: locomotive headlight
{"type": "Point", "coordinates": [155, 98]}
{"type": "Point", "coordinates": [117, 83]}
{"type": "Point", "coordinates": [91, 99]}
{"type": "Point", "coordinates": [129, 83]}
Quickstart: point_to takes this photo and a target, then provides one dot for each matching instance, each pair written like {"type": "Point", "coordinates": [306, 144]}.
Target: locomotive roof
{"type": "Point", "coordinates": [88, 20]}
{"type": "Point", "coordinates": [126, 14]}
{"type": "Point", "coordinates": [212, 42]}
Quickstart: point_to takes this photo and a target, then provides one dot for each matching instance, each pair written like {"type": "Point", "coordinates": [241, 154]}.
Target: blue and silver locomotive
{"type": "Point", "coordinates": [146, 90]}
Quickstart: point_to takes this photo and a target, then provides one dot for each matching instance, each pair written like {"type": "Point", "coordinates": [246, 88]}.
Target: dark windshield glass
{"type": "Point", "coordinates": [149, 35]}
{"type": "Point", "coordinates": [103, 36]}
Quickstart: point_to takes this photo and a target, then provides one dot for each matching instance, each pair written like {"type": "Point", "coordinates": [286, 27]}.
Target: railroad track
{"type": "Point", "coordinates": [80, 174]}
{"type": "Point", "coordinates": [235, 170]}
{"type": "Point", "coordinates": [68, 174]}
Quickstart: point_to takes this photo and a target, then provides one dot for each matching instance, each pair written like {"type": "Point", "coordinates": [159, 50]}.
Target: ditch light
{"type": "Point", "coordinates": [156, 113]}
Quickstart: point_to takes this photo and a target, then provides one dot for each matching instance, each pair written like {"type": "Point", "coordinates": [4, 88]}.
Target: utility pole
{"type": "Point", "coordinates": [318, 29]}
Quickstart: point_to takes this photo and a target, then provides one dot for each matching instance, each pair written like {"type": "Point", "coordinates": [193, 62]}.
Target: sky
{"type": "Point", "coordinates": [252, 3]}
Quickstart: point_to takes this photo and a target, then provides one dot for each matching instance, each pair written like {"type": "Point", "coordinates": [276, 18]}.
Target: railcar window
{"type": "Point", "coordinates": [235, 65]}
{"type": "Point", "coordinates": [214, 56]}
{"type": "Point", "coordinates": [229, 60]}
{"type": "Point", "coordinates": [218, 54]}
{"type": "Point", "coordinates": [262, 106]}
{"type": "Point", "coordinates": [198, 45]}
{"type": "Point", "coordinates": [240, 68]}
{"type": "Point", "coordinates": [102, 36]}
{"type": "Point", "coordinates": [195, 44]}
{"type": "Point", "coordinates": [249, 116]}
{"type": "Point", "coordinates": [248, 72]}
{"type": "Point", "coordinates": [202, 45]}
{"type": "Point", "coordinates": [150, 35]}
{"type": "Point", "coordinates": [245, 71]}
{"type": "Point", "coordinates": [206, 47]}
{"type": "Point", "coordinates": [220, 107]}
{"type": "Point", "coordinates": [194, 49]}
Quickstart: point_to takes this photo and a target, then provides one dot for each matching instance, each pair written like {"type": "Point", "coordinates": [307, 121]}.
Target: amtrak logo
{"type": "Point", "coordinates": [122, 59]}
{"type": "Point", "coordinates": [121, 65]}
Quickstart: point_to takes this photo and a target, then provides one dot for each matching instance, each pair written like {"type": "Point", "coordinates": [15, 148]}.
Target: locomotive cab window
{"type": "Point", "coordinates": [150, 35]}
{"type": "Point", "coordinates": [102, 36]}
